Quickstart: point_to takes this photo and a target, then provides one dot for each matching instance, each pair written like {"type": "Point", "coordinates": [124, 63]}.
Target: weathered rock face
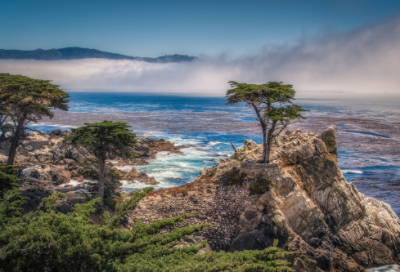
{"type": "Point", "coordinates": [311, 208]}
{"type": "Point", "coordinates": [133, 176]}
{"type": "Point", "coordinates": [148, 147]}
{"type": "Point", "coordinates": [39, 148]}
{"type": "Point", "coordinates": [51, 173]}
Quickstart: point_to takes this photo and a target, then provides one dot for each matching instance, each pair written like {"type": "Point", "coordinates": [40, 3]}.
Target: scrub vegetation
{"type": "Point", "coordinates": [49, 241]}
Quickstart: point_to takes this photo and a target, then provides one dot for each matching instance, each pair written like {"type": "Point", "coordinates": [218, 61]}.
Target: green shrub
{"type": "Point", "coordinates": [10, 197]}
{"type": "Point", "coordinates": [110, 203]}
{"type": "Point", "coordinates": [50, 241]}
{"type": "Point", "coordinates": [267, 183]}
{"type": "Point", "coordinates": [256, 188]}
{"type": "Point", "coordinates": [8, 178]}
{"type": "Point", "coordinates": [234, 177]}
{"type": "Point", "coordinates": [260, 186]}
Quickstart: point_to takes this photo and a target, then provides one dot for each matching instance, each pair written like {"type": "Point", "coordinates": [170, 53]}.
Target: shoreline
{"type": "Point", "coordinates": [369, 147]}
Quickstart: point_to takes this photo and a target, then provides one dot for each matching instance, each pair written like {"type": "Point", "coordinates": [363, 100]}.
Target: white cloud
{"type": "Point", "coordinates": [366, 60]}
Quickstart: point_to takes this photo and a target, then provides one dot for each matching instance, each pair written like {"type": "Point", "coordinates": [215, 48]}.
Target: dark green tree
{"type": "Point", "coordinates": [273, 104]}
{"type": "Point", "coordinates": [45, 240]}
{"type": "Point", "coordinates": [104, 139]}
{"type": "Point", "coordinates": [27, 100]}
{"type": "Point", "coordinates": [10, 196]}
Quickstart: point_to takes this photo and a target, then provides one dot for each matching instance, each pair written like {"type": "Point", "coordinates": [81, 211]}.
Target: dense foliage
{"type": "Point", "coordinates": [50, 241]}
{"type": "Point", "coordinates": [24, 100]}
{"type": "Point", "coordinates": [104, 139]}
{"type": "Point", "coordinates": [273, 104]}
{"type": "Point", "coordinates": [8, 178]}
{"type": "Point", "coordinates": [10, 197]}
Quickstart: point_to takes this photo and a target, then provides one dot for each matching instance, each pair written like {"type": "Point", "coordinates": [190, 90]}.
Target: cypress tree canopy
{"type": "Point", "coordinates": [273, 104]}
{"type": "Point", "coordinates": [104, 139]}
{"type": "Point", "coordinates": [25, 100]}
{"type": "Point", "coordinates": [32, 97]}
{"type": "Point", "coordinates": [103, 136]}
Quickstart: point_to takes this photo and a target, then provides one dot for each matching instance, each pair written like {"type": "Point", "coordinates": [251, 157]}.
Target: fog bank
{"type": "Point", "coordinates": [366, 60]}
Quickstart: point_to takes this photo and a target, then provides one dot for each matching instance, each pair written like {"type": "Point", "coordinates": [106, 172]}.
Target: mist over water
{"type": "Point", "coordinates": [364, 60]}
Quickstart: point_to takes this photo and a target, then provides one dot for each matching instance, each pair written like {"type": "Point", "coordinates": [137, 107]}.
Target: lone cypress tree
{"type": "Point", "coordinates": [104, 139]}
{"type": "Point", "coordinates": [27, 100]}
{"type": "Point", "coordinates": [273, 105]}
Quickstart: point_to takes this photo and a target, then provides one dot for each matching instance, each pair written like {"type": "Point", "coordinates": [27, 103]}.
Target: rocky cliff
{"type": "Point", "coordinates": [300, 198]}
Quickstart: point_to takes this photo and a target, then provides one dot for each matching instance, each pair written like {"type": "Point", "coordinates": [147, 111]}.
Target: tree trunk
{"type": "Point", "coordinates": [265, 158]}
{"type": "Point", "coordinates": [234, 148]}
{"type": "Point", "coordinates": [14, 142]}
{"type": "Point", "coordinates": [267, 146]}
{"type": "Point", "coordinates": [102, 164]}
{"type": "Point", "coordinates": [264, 131]}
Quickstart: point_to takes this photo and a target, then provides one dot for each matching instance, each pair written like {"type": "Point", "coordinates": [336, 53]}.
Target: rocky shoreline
{"type": "Point", "coordinates": [301, 198]}
{"type": "Point", "coordinates": [309, 207]}
{"type": "Point", "coordinates": [50, 165]}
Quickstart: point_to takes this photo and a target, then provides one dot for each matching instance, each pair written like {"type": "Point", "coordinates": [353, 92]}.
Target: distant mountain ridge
{"type": "Point", "coordinates": [71, 53]}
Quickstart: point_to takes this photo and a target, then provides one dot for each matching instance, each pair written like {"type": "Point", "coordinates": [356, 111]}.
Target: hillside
{"type": "Point", "coordinates": [71, 53]}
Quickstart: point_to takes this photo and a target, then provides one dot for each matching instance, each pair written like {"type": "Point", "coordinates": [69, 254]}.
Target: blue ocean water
{"type": "Point", "coordinates": [206, 148]}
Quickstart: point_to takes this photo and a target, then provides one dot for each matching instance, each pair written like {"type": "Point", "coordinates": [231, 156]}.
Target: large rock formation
{"type": "Point", "coordinates": [300, 198]}
{"type": "Point", "coordinates": [135, 176]}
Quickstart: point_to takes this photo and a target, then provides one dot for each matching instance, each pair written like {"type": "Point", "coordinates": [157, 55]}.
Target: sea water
{"type": "Point", "coordinates": [188, 119]}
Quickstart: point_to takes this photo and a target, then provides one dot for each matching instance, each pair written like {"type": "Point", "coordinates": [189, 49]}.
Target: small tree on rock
{"type": "Point", "coordinates": [103, 139]}
{"type": "Point", "coordinates": [273, 105]}
{"type": "Point", "coordinates": [27, 100]}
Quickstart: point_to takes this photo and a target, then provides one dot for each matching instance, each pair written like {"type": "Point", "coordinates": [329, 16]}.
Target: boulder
{"type": "Point", "coordinates": [51, 173]}
{"type": "Point", "coordinates": [133, 176]}
{"type": "Point", "coordinates": [148, 147]}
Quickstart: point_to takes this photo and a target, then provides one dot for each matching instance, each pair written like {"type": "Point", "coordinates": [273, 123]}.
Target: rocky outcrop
{"type": "Point", "coordinates": [302, 199]}
{"type": "Point", "coordinates": [51, 159]}
{"type": "Point", "coordinates": [49, 164]}
{"type": "Point", "coordinates": [148, 147]}
{"type": "Point", "coordinates": [51, 173]}
{"type": "Point", "coordinates": [135, 176]}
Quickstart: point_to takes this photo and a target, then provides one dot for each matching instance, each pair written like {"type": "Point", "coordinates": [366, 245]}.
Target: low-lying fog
{"type": "Point", "coordinates": [365, 60]}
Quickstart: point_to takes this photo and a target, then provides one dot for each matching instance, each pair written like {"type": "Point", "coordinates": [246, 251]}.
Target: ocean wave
{"type": "Point", "coordinates": [352, 171]}
{"type": "Point", "coordinates": [213, 143]}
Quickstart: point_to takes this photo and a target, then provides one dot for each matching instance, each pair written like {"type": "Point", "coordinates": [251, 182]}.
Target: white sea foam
{"type": "Point", "coordinates": [138, 185]}
{"type": "Point", "coordinates": [213, 143]}
{"type": "Point", "coordinates": [72, 182]}
{"type": "Point", "coordinates": [171, 169]}
{"type": "Point", "coordinates": [352, 171]}
{"type": "Point", "coordinates": [125, 168]}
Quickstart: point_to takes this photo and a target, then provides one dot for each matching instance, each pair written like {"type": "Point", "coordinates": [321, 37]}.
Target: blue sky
{"type": "Point", "coordinates": [153, 28]}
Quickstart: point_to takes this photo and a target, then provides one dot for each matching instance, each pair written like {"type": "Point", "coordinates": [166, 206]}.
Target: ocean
{"type": "Point", "coordinates": [367, 127]}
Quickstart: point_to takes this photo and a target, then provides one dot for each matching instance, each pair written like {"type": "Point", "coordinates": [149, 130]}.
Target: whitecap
{"type": "Point", "coordinates": [72, 182]}
{"type": "Point", "coordinates": [125, 168]}
{"type": "Point", "coordinates": [214, 143]}
{"type": "Point", "coordinates": [352, 171]}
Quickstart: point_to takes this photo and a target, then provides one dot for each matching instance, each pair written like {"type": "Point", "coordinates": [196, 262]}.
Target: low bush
{"type": "Point", "coordinates": [50, 241]}
{"type": "Point", "coordinates": [234, 177]}
{"type": "Point", "coordinates": [256, 188]}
